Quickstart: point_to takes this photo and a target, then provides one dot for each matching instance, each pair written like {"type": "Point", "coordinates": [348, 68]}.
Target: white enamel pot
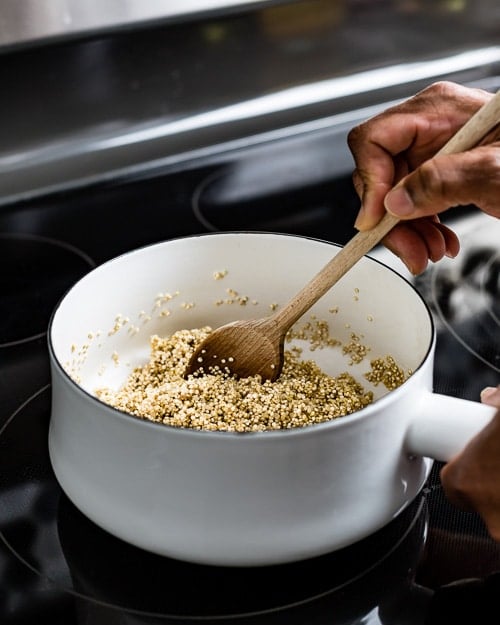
{"type": "Point", "coordinates": [251, 498]}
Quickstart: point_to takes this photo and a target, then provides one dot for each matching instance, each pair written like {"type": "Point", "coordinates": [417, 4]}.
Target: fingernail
{"type": "Point", "coordinates": [358, 224]}
{"type": "Point", "coordinates": [399, 202]}
{"type": "Point", "coordinates": [413, 271]}
{"type": "Point", "coordinates": [405, 263]}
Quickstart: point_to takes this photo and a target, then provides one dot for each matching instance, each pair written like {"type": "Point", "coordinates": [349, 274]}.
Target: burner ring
{"type": "Point", "coordinates": [248, 198]}
{"type": "Point", "coordinates": [465, 294]}
{"type": "Point", "coordinates": [41, 270]}
{"type": "Point", "coordinates": [45, 532]}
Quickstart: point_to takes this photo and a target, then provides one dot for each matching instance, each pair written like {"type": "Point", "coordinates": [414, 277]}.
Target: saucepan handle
{"type": "Point", "coordinates": [444, 425]}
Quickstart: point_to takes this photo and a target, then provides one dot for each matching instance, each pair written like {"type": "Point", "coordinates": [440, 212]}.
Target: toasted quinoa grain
{"type": "Point", "coordinates": [385, 371]}
{"type": "Point", "coordinates": [302, 395]}
{"type": "Point", "coordinates": [355, 349]}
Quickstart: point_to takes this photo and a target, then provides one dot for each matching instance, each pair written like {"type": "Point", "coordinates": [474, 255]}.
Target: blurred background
{"type": "Point", "coordinates": [92, 90]}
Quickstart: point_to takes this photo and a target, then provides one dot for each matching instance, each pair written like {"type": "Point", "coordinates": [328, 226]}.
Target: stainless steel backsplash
{"type": "Point", "coordinates": [126, 91]}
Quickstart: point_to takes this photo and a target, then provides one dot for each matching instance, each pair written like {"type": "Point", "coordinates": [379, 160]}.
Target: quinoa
{"type": "Point", "coordinates": [302, 395]}
{"type": "Point", "coordinates": [387, 372]}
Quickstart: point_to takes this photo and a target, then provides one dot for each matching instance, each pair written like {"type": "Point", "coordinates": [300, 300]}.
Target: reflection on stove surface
{"type": "Point", "coordinates": [60, 545]}
{"type": "Point", "coordinates": [466, 297]}
{"type": "Point", "coordinates": [463, 294]}
{"type": "Point", "coordinates": [174, 589]}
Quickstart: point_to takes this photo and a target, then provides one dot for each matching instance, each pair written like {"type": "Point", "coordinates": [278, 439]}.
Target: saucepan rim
{"type": "Point", "coordinates": [313, 428]}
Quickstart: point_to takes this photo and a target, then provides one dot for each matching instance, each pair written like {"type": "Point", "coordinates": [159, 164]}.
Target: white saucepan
{"type": "Point", "coordinates": [244, 499]}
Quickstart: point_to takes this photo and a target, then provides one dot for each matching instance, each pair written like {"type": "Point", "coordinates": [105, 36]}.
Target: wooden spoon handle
{"type": "Point", "coordinates": [471, 133]}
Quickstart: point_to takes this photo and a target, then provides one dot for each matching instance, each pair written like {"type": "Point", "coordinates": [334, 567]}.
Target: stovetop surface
{"type": "Point", "coordinates": [57, 567]}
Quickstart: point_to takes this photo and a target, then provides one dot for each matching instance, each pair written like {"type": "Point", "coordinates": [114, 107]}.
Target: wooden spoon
{"type": "Point", "coordinates": [256, 346]}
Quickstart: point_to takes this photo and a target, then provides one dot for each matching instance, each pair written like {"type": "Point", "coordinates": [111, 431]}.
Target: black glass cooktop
{"type": "Point", "coordinates": [432, 564]}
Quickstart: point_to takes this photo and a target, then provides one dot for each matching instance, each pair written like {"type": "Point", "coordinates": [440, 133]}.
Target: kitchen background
{"type": "Point", "coordinates": [99, 93]}
{"type": "Point", "coordinates": [124, 123]}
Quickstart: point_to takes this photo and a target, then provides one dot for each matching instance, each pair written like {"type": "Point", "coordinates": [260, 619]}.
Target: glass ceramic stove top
{"type": "Point", "coordinates": [431, 564]}
{"type": "Point", "coordinates": [464, 295]}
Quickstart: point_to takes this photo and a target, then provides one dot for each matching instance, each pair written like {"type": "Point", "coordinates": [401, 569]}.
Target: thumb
{"type": "Point", "coordinates": [442, 182]}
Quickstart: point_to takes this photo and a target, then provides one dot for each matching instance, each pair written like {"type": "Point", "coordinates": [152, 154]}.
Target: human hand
{"type": "Point", "coordinates": [471, 480]}
{"type": "Point", "coordinates": [398, 147]}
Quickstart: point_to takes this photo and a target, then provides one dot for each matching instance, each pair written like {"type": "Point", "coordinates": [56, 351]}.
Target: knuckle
{"type": "Point", "coordinates": [490, 161]}
{"type": "Point", "coordinates": [355, 136]}
{"type": "Point", "coordinates": [439, 90]}
{"type": "Point", "coordinates": [430, 183]}
{"type": "Point", "coordinates": [443, 88]}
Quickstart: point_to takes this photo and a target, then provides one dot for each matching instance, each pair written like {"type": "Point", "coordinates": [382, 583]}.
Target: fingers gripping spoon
{"type": "Point", "coordinates": [256, 346]}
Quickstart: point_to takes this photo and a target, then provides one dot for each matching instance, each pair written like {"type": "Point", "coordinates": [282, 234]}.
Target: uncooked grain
{"type": "Point", "coordinates": [302, 395]}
